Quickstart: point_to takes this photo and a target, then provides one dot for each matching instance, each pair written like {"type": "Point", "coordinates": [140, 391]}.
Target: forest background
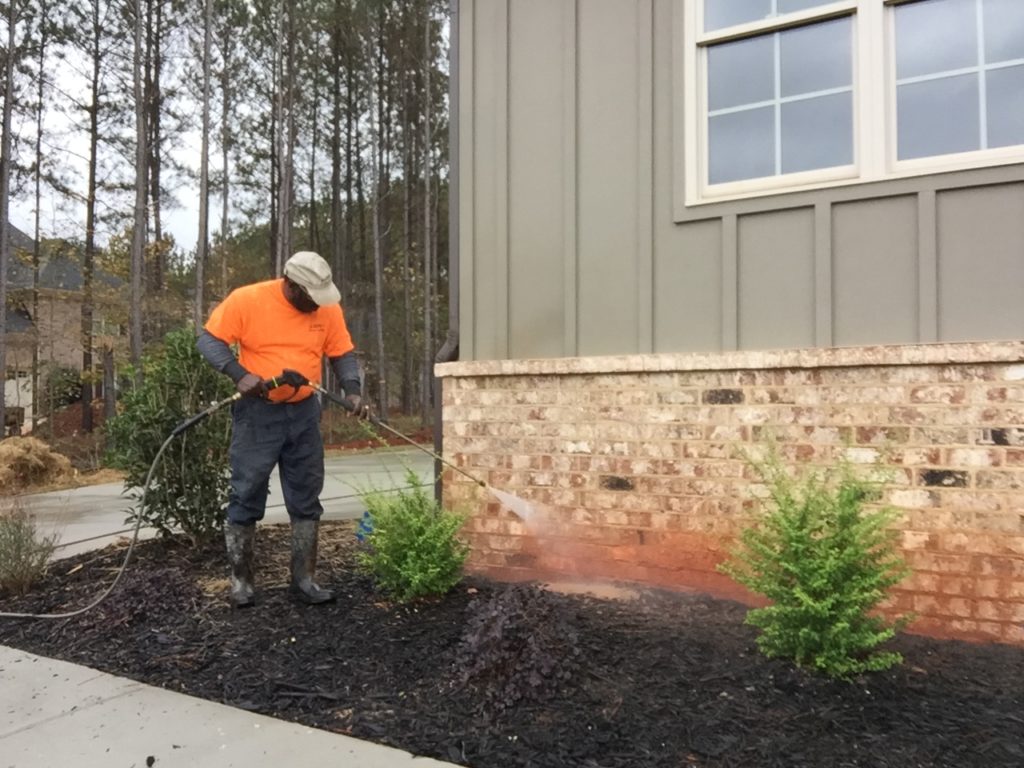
{"type": "Point", "coordinates": [322, 125]}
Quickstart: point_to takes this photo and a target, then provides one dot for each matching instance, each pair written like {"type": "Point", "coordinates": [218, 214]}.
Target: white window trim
{"type": "Point", "coordinates": [874, 109]}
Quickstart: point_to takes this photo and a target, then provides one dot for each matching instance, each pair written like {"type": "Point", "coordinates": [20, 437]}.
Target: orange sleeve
{"type": "Point", "coordinates": [338, 340]}
{"type": "Point", "coordinates": [227, 320]}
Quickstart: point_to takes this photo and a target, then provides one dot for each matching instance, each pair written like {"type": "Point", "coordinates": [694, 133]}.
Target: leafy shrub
{"type": "Point", "coordinates": [825, 562]}
{"type": "Point", "coordinates": [518, 646]}
{"type": "Point", "coordinates": [412, 549]}
{"type": "Point", "coordinates": [23, 553]}
{"type": "Point", "coordinates": [61, 386]}
{"type": "Point", "coordinates": [27, 461]}
{"type": "Point", "coordinates": [190, 485]}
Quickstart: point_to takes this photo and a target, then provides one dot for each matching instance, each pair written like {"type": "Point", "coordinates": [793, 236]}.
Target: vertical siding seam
{"type": "Point", "coordinates": [645, 176]}
{"type": "Point", "coordinates": [730, 282]}
{"type": "Point", "coordinates": [467, 180]}
{"type": "Point", "coordinates": [927, 268]}
{"type": "Point", "coordinates": [823, 300]}
{"type": "Point", "coordinates": [502, 280]}
{"type": "Point", "coordinates": [570, 205]}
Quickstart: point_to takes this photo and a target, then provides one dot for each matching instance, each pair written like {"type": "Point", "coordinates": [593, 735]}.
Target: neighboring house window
{"type": "Point", "coordinates": [782, 95]}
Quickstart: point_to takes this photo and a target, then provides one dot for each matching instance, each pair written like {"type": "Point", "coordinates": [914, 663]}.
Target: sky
{"type": "Point", "coordinates": [62, 218]}
{"type": "Point", "coordinates": [67, 148]}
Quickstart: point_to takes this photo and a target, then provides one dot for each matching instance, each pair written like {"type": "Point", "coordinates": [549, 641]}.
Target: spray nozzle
{"type": "Point", "coordinates": [287, 378]}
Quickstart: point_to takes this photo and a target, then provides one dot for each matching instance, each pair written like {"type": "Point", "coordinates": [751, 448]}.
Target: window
{"type": "Point", "coordinates": [783, 95]}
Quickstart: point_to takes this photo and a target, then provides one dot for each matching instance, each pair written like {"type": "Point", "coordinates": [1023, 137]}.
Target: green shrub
{"type": "Point", "coordinates": [23, 553]}
{"type": "Point", "coordinates": [825, 562]}
{"type": "Point", "coordinates": [190, 485]}
{"type": "Point", "coordinates": [412, 550]}
{"type": "Point", "coordinates": [60, 386]}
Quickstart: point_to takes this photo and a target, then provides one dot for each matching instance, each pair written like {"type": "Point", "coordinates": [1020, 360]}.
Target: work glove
{"type": "Point", "coordinates": [251, 385]}
{"type": "Point", "coordinates": [360, 410]}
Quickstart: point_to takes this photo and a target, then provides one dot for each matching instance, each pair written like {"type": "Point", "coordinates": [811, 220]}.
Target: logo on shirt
{"type": "Point", "coordinates": [316, 327]}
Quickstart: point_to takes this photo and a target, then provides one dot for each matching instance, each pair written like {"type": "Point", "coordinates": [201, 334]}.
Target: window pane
{"type": "Point", "coordinates": [1005, 91]}
{"type": "Point", "coordinates": [816, 57]}
{"type": "Point", "coordinates": [935, 36]}
{"type": "Point", "coordinates": [937, 117]}
{"type": "Point", "coordinates": [789, 6]}
{"type": "Point", "coordinates": [817, 133]}
{"type": "Point", "coordinates": [726, 13]}
{"type": "Point", "coordinates": [1004, 30]}
{"type": "Point", "coordinates": [741, 73]}
{"type": "Point", "coordinates": [741, 145]}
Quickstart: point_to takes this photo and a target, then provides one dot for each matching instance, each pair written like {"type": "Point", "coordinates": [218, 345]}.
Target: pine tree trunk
{"type": "Point", "coordinates": [44, 12]}
{"type": "Point", "coordinates": [428, 294]}
{"type": "Point", "coordinates": [89, 257]}
{"type": "Point", "coordinates": [203, 243]}
{"type": "Point", "coordinates": [138, 264]}
{"type": "Point", "coordinates": [5, 189]}
{"type": "Point", "coordinates": [225, 223]}
{"type": "Point", "coordinates": [337, 251]}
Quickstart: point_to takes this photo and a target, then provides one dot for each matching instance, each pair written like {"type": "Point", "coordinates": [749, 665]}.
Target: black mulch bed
{"type": "Point", "coordinates": [665, 680]}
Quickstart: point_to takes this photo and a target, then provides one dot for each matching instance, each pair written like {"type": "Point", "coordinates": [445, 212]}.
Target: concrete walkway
{"type": "Point", "coordinates": [55, 714]}
{"type": "Point", "coordinates": [100, 510]}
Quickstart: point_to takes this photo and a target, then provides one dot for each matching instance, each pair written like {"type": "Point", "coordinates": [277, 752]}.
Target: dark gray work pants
{"type": "Point", "coordinates": [287, 435]}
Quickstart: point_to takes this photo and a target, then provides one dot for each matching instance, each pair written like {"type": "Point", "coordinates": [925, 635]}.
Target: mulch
{"type": "Point", "coordinates": [665, 680]}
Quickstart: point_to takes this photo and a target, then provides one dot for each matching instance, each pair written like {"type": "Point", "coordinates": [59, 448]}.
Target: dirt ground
{"type": "Point", "coordinates": [662, 681]}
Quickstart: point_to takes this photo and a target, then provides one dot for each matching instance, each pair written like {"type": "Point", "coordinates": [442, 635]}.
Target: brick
{"type": "Point", "coordinates": [912, 498]}
{"type": "Point", "coordinates": [956, 499]}
{"type": "Point", "coordinates": [943, 478]}
{"type": "Point", "coordinates": [957, 585]}
{"type": "Point", "coordinates": [945, 395]}
{"type": "Point", "coordinates": [882, 435]}
{"type": "Point", "coordinates": [999, 610]}
{"type": "Point", "coordinates": [1004, 522]}
{"type": "Point", "coordinates": [911, 540]}
{"type": "Point", "coordinates": [1004, 481]}
{"type": "Point", "coordinates": [973, 457]}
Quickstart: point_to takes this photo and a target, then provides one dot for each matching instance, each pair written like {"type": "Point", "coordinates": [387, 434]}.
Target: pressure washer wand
{"type": "Point", "coordinates": [348, 406]}
{"type": "Point", "coordinates": [193, 420]}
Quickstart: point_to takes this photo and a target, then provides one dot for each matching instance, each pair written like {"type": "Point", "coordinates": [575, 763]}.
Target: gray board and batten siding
{"type": "Point", "coordinates": [573, 241]}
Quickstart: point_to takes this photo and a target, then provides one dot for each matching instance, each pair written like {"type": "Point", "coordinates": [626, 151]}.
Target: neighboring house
{"type": "Point", "coordinates": [56, 330]}
{"type": "Point", "coordinates": [685, 227]}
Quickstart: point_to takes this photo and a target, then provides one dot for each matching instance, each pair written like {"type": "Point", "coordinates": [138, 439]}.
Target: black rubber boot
{"type": "Point", "coordinates": [241, 546]}
{"type": "Point", "coordinates": [304, 540]}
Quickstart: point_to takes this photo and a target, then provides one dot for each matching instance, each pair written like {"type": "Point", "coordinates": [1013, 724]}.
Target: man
{"type": "Point", "coordinates": [288, 323]}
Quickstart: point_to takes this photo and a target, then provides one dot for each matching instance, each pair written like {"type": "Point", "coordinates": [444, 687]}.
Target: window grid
{"type": "Point", "coordinates": [875, 152]}
{"type": "Point", "coordinates": [777, 101]}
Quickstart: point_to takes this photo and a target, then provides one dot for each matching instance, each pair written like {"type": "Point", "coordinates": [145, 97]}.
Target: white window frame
{"type": "Point", "coordinates": [874, 108]}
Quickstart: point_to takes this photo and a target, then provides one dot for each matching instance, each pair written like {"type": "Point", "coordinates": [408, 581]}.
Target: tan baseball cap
{"type": "Point", "coordinates": [313, 273]}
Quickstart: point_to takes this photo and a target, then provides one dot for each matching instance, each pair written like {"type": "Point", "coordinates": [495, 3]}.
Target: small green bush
{"type": "Point", "coordinates": [825, 562]}
{"type": "Point", "coordinates": [412, 550]}
{"type": "Point", "coordinates": [23, 553]}
{"type": "Point", "coordinates": [60, 386]}
{"type": "Point", "coordinates": [190, 485]}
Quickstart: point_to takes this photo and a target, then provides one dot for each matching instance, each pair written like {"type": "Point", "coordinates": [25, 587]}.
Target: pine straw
{"type": "Point", "coordinates": [27, 462]}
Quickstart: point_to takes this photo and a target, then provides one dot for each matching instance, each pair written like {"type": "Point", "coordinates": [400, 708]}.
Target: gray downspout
{"type": "Point", "coordinates": [450, 350]}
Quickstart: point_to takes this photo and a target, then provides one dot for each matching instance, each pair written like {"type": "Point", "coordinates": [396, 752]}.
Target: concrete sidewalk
{"type": "Point", "coordinates": [94, 511]}
{"type": "Point", "coordinates": [55, 714]}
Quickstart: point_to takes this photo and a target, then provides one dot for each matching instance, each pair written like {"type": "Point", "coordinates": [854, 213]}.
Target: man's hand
{"type": "Point", "coordinates": [251, 385]}
{"type": "Point", "coordinates": [360, 409]}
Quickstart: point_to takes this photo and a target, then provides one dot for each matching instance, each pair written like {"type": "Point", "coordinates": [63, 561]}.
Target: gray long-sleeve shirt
{"type": "Point", "coordinates": [218, 354]}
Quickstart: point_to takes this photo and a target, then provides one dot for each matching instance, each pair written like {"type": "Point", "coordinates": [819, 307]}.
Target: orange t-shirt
{"type": "Point", "coordinates": [273, 335]}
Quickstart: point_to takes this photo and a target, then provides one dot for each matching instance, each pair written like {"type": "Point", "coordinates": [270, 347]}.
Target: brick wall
{"type": "Point", "coordinates": [633, 465]}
